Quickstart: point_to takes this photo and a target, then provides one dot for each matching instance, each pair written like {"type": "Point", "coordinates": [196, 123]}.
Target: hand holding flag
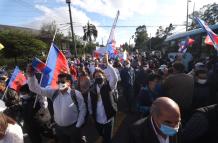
{"type": "Point", "coordinates": [17, 79]}
{"type": "Point", "coordinates": [58, 64]}
{"type": "Point", "coordinates": [38, 65]}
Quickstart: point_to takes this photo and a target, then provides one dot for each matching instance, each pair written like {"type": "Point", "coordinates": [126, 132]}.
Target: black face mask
{"type": "Point", "coordinates": [99, 80]}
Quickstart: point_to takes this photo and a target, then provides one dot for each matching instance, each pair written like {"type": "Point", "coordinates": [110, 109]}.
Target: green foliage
{"type": "Point", "coordinates": [163, 33]}
{"type": "Point", "coordinates": [141, 37]}
{"type": "Point", "coordinates": [208, 13]}
{"type": "Point", "coordinates": [90, 47]}
{"type": "Point", "coordinates": [156, 43]}
{"type": "Point", "coordinates": [90, 32]}
{"type": "Point", "coordinates": [47, 32]}
{"type": "Point", "coordinates": [125, 46]}
{"type": "Point", "coordinates": [20, 44]}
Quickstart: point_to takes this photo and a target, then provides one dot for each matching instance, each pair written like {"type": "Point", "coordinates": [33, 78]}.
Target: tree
{"type": "Point", "coordinates": [160, 32]}
{"type": "Point", "coordinates": [163, 33]}
{"type": "Point", "coordinates": [90, 32]}
{"type": "Point", "coordinates": [47, 32]}
{"type": "Point", "coordinates": [20, 44]}
{"type": "Point", "coordinates": [207, 13]}
{"type": "Point", "coordinates": [141, 37]}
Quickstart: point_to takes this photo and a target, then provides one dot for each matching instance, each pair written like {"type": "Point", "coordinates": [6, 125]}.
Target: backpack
{"type": "Point", "coordinates": [73, 97]}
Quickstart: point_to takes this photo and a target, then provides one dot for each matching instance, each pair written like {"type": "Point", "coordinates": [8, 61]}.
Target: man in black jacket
{"type": "Point", "coordinates": [160, 127]}
{"type": "Point", "coordinates": [202, 126]}
{"type": "Point", "coordinates": [127, 80]}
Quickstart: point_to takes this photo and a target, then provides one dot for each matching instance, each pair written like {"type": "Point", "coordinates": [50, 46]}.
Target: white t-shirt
{"type": "Point", "coordinates": [13, 134]}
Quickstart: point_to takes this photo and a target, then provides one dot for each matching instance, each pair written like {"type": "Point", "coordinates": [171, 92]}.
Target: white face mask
{"type": "Point", "coordinates": [128, 65]}
{"type": "Point", "coordinates": [62, 86]}
{"type": "Point", "coordinates": [201, 81]}
{"type": "Point", "coordinates": [24, 96]}
{"type": "Point", "coordinates": [145, 68]}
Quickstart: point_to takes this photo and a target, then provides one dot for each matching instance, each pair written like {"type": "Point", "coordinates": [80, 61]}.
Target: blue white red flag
{"type": "Point", "coordinates": [210, 33]}
{"type": "Point", "coordinates": [208, 40]}
{"type": "Point", "coordinates": [111, 43]}
{"type": "Point", "coordinates": [111, 46]}
{"type": "Point", "coordinates": [41, 67]}
{"type": "Point", "coordinates": [58, 64]}
{"type": "Point", "coordinates": [183, 45]}
{"type": "Point", "coordinates": [17, 79]}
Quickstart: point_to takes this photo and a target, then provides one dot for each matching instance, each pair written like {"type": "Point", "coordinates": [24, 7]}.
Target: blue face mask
{"type": "Point", "coordinates": [168, 131]}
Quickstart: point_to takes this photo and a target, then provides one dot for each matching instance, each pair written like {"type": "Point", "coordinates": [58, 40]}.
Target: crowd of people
{"type": "Point", "coordinates": [173, 103]}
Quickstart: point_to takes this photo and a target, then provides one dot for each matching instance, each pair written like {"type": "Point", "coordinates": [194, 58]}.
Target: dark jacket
{"type": "Point", "coordinates": [201, 95]}
{"type": "Point", "coordinates": [180, 88]}
{"type": "Point", "coordinates": [202, 126]}
{"type": "Point", "coordinates": [127, 76]}
{"type": "Point", "coordinates": [141, 78]}
{"type": "Point", "coordinates": [107, 100]}
{"type": "Point", "coordinates": [142, 132]}
{"type": "Point", "coordinates": [145, 99]}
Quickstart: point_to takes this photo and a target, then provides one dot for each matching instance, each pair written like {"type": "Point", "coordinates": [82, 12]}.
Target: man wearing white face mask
{"type": "Point", "coordinates": [68, 104]}
{"type": "Point", "coordinates": [127, 80]}
{"type": "Point", "coordinates": [161, 126]}
{"type": "Point", "coordinates": [201, 95]}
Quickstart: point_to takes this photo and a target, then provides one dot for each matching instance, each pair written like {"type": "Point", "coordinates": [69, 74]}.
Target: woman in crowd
{"type": "Point", "coordinates": [148, 94]}
{"type": "Point", "coordinates": [10, 132]}
{"type": "Point", "coordinates": [102, 105]}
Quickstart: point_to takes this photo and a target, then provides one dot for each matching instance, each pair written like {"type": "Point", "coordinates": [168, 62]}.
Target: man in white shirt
{"type": "Point", "coordinates": [68, 104]}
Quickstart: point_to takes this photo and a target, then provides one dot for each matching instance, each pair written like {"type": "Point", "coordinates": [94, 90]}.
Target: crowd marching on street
{"type": "Point", "coordinates": [170, 102]}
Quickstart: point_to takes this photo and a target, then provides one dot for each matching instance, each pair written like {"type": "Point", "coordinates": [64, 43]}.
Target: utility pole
{"type": "Point", "coordinates": [187, 15]}
{"type": "Point", "coordinates": [71, 25]}
{"type": "Point", "coordinates": [150, 42]}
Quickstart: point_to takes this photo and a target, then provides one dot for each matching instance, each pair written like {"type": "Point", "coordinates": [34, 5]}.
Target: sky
{"type": "Point", "coordinates": [101, 13]}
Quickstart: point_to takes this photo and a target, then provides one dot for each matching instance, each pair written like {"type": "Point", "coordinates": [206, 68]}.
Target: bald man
{"type": "Point", "coordinates": [161, 126]}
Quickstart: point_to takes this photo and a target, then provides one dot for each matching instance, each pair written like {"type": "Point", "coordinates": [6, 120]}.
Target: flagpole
{"type": "Point", "coordinates": [5, 92]}
{"type": "Point", "coordinates": [113, 26]}
{"type": "Point", "coordinates": [37, 96]}
{"type": "Point", "coordinates": [6, 89]}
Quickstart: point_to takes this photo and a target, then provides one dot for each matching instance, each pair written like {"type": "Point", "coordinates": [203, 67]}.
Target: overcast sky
{"type": "Point", "coordinates": [152, 13]}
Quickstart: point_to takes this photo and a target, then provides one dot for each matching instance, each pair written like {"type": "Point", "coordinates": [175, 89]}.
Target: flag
{"type": "Point", "coordinates": [111, 49]}
{"type": "Point", "coordinates": [125, 55]}
{"type": "Point", "coordinates": [208, 40]}
{"type": "Point", "coordinates": [183, 45]}
{"type": "Point", "coordinates": [100, 52]}
{"type": "Point", "coordinates": [1, 46]}
{"type": "Point", "coordinates": [17, 79]}
{"type": "Point", "coordinates": [41, 67]}
{"type": "Point", "coordinates": [210, 33]}
{"type": "Point", "coordinates": [58, 64]}
{"type": "Point", "coordinates": [111, 46]}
